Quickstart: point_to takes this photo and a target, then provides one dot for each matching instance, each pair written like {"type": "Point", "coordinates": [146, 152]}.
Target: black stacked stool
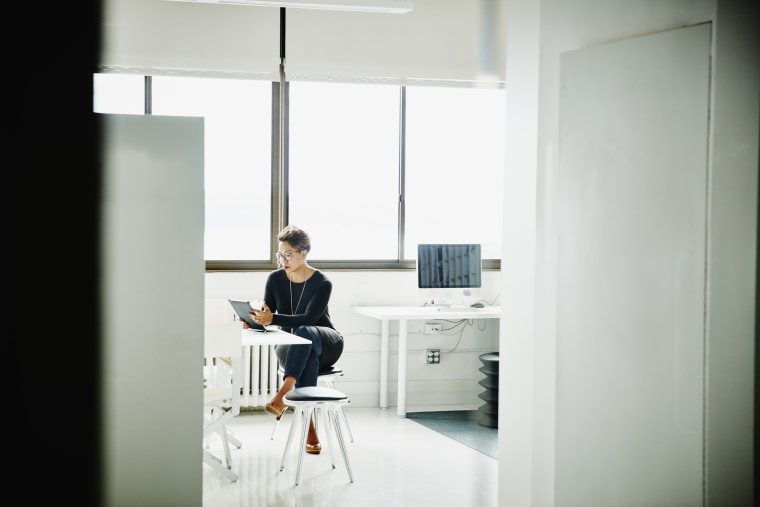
{"type": "Point", "coordinates": [488, 413]}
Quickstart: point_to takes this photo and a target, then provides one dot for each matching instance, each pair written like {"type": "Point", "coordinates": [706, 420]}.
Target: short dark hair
{"type": "Point", "coordinates": [298, 238]}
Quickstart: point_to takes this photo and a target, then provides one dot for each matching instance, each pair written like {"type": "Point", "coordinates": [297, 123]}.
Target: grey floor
{"type": "Point", "coordinates": [395, 462]}
{"type": "Point", "coordinates": [462, 426]}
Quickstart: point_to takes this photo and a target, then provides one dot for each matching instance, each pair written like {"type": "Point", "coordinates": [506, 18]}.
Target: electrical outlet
{"type": "Point", "coordinates": [433, 328]}
{"type": "Point", "coordinates": [433, 356]}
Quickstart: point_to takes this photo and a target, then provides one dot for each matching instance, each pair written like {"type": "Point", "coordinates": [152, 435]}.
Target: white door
{"type": "Point", "coordinates": [631, 271]}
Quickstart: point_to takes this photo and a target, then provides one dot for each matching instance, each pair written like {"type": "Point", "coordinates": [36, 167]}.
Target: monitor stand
{"type": "Point", "coordinates": [436, 297]}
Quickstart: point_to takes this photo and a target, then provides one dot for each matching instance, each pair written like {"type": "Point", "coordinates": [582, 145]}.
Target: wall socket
{"type": "Point", "coordinates": [433, 356]}
{"type": "Point", "coordinates": [433, 328]}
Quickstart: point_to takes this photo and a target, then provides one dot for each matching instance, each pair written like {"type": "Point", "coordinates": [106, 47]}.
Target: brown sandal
{"type": "Point", "coordinates": [313, 448]}
{"type": "Point", "coordinates": [275, 410]}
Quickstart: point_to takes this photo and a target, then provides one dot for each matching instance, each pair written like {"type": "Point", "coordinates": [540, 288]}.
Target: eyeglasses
{"type": "Point", "coordinates": [287, 255]}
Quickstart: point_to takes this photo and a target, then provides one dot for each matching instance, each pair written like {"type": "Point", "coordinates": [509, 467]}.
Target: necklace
{"type": "Point", "coordinates": [292, 311]}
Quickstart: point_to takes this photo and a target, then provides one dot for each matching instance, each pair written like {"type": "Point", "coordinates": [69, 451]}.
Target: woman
{"type": "Point", "coordinates": [295, 299]}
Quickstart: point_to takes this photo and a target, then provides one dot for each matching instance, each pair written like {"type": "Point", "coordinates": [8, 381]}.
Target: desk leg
{"type": "Point", "coordinates": [246, 380]}
{"type": "Point", "coordinates": [402, 349]}
{"type": "Point", "coordinates": [384, 362]}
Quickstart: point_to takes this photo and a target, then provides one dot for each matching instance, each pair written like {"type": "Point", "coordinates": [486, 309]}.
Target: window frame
{"type": "Point", "coordinates": [279, 196]}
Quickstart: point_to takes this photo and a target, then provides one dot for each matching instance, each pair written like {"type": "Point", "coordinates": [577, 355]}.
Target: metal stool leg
{"type": "Point", "coordinates": [309, 403]}
{"type": "Point", "coordinates": [274, 429]}
{"type": "Point", "coordinates": [307, 414]}
{"type": "Point", "coordinates": [329, 380]}
{"type": "Point", "coordinates": [339, 433]}
{"type": "Point", "coordinates": [297, 412]}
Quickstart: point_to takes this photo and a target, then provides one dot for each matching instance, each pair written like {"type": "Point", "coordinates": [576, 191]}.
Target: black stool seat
{"type": "Point", "coordinates": [330, 370]}
{"type": "Point", "coordinates": [315, 393]}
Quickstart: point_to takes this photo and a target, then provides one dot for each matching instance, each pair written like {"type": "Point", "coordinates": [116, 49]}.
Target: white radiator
{"type": "Point", "coordinates": [260, 379]}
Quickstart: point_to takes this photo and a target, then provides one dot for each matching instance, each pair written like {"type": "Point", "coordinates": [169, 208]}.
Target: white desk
{"type": "Point", "coordinates": [251, 337]}
{"type": "Point", "coordinates": [253, 352]}
{"type": "Point", "coordinates": [403, 314]}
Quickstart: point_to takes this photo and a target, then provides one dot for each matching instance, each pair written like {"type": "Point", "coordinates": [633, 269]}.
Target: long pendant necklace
{"type": "Point", "coordinates": [292, 311]}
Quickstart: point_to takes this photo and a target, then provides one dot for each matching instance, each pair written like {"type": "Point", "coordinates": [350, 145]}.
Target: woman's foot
{"type": "Point", "coordinates": [277, 410]}
{"type": "Point", "coordinates": [313, 448]}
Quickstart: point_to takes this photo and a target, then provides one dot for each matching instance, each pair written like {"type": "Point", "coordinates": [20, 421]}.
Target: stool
{"type": "Point", "coordinates": [312, 401]}
{"type": "Point", "coordinates": [488, 413]}
{"type": "Point", "coordinates": [327, 376]}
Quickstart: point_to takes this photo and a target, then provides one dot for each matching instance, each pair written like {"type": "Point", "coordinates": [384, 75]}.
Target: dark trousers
{"type": "Point", "coordinates": [303, 361]}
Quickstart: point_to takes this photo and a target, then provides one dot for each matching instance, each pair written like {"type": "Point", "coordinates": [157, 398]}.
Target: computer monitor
{"type": "Point", "coordinates": [444, 268]}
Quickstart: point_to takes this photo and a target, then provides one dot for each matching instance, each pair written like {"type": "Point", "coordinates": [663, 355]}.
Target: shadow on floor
{"type": "Point", "coordinates": [462, 426]}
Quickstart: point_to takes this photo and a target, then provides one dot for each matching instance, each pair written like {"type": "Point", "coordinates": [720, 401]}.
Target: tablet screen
{"type": "Point", "coordinates": [242, 308]}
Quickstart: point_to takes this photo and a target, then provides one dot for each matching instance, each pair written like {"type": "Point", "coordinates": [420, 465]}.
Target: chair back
{"type": "Point", "coordinates": [223, 334]}
{"type": "Point", "coordinates": [223, 349]}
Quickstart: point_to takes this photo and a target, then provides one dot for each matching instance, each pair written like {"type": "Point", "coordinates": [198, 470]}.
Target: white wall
{"type": "Point", "coordinates": [527, 466]}
{"type": "Point", "coordinates": [451, 385]}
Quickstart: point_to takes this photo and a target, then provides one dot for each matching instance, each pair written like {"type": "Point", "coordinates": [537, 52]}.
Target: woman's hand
{"type": "Point", "coordinates": [263, 316]}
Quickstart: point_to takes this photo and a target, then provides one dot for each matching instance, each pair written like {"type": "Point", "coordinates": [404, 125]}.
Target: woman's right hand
{"type": "Point", "coordinates": [245, 325]}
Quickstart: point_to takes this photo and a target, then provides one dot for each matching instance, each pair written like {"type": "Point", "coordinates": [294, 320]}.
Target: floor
{"type": "Point", "coordinates": [462, 426]}
{"type": "Point", "coordinates": [395, 462]}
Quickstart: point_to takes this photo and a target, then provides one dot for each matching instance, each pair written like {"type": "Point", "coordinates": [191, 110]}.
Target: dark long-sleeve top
{"type": "Point", "coordinates": [313, 310]}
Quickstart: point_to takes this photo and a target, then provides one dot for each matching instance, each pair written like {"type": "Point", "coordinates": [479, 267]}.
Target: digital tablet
{"type": "Point", "coordinates": [242, 308]}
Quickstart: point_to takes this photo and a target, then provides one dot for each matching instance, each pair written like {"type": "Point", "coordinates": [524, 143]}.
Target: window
{"type": "Point", "coordinates": [118, 94]}
{"type": "Point", "coordinates": [454, 167]}
{"type": "Point", "coordinates": [238, 174]}
{"type": "Point", "coordinates": [372, 169]}
{"type": "Point", "coordinates": [343, 168]}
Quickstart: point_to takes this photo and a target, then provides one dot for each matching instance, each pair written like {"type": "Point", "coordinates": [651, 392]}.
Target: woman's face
{"type": "Point", "coordinates": [290, 258]}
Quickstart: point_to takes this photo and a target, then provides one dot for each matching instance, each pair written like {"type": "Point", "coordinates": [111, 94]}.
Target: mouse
{"type": "Point", "coordinates": [477, 304]}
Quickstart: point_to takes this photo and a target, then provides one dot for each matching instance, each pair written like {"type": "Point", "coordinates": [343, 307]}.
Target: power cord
{"type": "Point", "coordinates": [461, 324]}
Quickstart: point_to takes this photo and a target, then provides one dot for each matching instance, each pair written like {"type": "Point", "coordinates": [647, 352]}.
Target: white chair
{"type": "Point", "coordinates": [313, 401]}
{"type": "Point", "coordinates": [327, 377]}
{"type": "Point", "coordinates": [222, 381]}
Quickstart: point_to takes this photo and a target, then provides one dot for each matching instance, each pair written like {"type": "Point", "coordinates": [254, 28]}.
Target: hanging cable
{"type": "Point", "coordinates": [281, 176]}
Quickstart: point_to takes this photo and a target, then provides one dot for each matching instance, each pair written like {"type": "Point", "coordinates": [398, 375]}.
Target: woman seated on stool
{"type": "Point", "coordinates": [295, 299]}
